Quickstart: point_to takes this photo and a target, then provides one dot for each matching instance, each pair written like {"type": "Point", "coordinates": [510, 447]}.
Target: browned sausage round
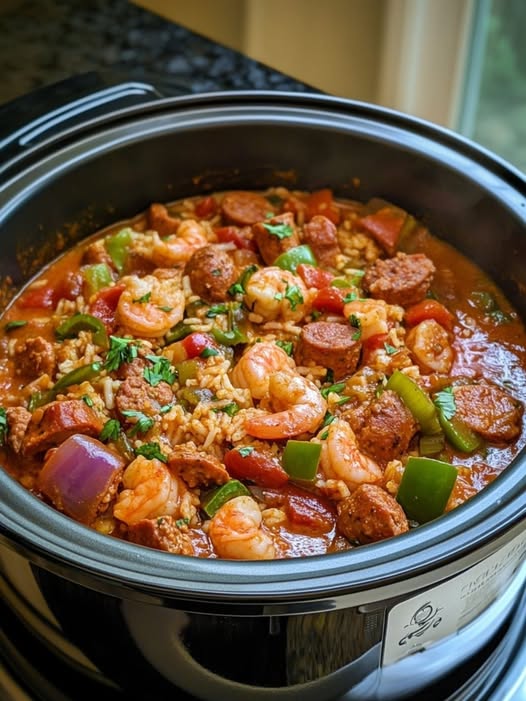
{"type": "Point", "coordinates": [245, 208]}
{"type": "Point", "coordinates": [330, 345]}
{"type": "Point", "coordinates": [387, 429]}
{"type": "Point", "coordinates": [285, 236]}
{"type": "Point", "coordinates": [56, 422]}
{"type": "Point", "coordinates": [489, 411]}
{"type": "Point", "coordinates": [321, 235]}
{"type": "Point", "coordinates": [404, 279]}
{"type": "Point", "coordinates": [370, 514]}
{"type": "Point", "coordinates": [160, 221]}
{"type": "Point", "coordinates": [162, 534]}
{"type": "Point", "coordinates": [212, 272]}
{"type": "Point", "coordinates": [197, 469]}
{"type": "Point", "coordinates": [137, 394]}
{"type": "Point", "coordinates": [34, 357]}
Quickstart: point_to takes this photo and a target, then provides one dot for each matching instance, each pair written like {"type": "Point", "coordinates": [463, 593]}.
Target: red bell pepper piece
{"type": "Point", "coordinates": [105, 304]}
{"type": "Point", "coordinates": [322, 202]}
{"type": "Point", "coordinates": [255, 465]}
{"type": "Point", "coordinates": [330, 299]}
{"type": "Point", "coordinates": [196, 343]}
{"type": "Point", "coordinates": [240, 237]}
{"type": "Point", "coordinates": [385, 226]}
{"type": "Point", "coordinates": [429, 309]}
{"type": "Point", "coordinates": [304, 509]}
{"type": "Point", "coordinates": [206, 207]}
{"type": "Point", "coordinates": [47, 297]}
{"type": "Point", "coordinates": [314, 277]}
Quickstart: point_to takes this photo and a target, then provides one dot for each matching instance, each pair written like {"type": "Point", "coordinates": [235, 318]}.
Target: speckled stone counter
{"type": "Point", "coordinates": [45, 41]}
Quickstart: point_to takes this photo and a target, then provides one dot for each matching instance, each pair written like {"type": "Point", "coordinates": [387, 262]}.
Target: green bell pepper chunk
{"type": "Point", "coordinates": [75, 377]}
{"type": "Point", "coordinates": [229, 338]}
{"type": "Point", "coordinates": [289, 260]}
{"type": "Point", "coordinates": [458, 433]}
{"type": "Point", "coordinates": [300, 460]}
{"type": "Point", "coordinates": [97, 277]}
{"type": "Point", "coordinates": [83, 322]}
{"type": "Point", "coordinates": [117, 246]}
{"type": "Point", "coordinates": [431, 445]}
{"type": "Point", "coordinates": [416, 400]}
{"type": "Point", "coordinates": [186, 370]}
{"type": "Point", "coordinates": [425, 488]}
{"type": "Point", "coordinates": [178, 332]}
{"type": "Point", "coordinates": [214, 500]}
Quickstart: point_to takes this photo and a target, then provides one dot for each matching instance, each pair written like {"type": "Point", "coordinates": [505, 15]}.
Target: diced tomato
{"type": "Point", "coordinates": [322, 202]}
{"type": "Point", "coordinates": [196, 342]}
{"type": "Point", "coordinates": [105, 304]}
{"type": "Point", "coordinates": [241, 237]}
{"type": "Point", "coordinates": [429, 309]}
{"type": "Point", "coordinates": [314, 277]}
{"type": "Point", "coordinates": [330, 299]}
{"type": "Point", "coordinates": [256, 466]}
{"type": "Point", "coordinates": [375, 342]}
{"type": "Point", "coordinates": [47, 297]}
{"type": "Point", "coordinates": [303, 508]}
{"type": "Point", "coordinates": [385, 226]}
{"type": "Point", "coordinates": [206, 207]}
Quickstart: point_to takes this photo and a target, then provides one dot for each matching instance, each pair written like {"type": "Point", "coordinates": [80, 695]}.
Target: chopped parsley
{"type": "Point", "coordinates": [230, 409]}
{"type": "Point", "coordinates": [350, 297]}
{"type": "Point", "coordinates": [110, 430]}
{"type": "Point", "coordinates": [324, 435]}
{"type": "Point", "coordinates": [14, 325]}
{"type": "Point", "coordinates": [143, 424]}
{"type": "Point", "coordinates": [287, 346]}
{"type": "Point", "coordinates": [282, 231]}
{"type": "Point", "coordinates": [390, 350]}
{"type": "Point", "coordinates": [166, 408]}
{"type": "Point", "coordinates": [216, 309]}
{"type": "Point", "coordinates": [357, 276]}
{"type": "Point", "coordinates": [336, 388]}
{"type": "Point", "coordinates": [208, 352]}
{"type": "Point", "coordinates": [445, 401]}
{"type": "Point", "coordinates": [151, 451]}
{"type": "Point", "coordinates": [238, 288]}
{"type": "Point", "coordinates": [327, 419]}
{"type": "Point", "coordinates": [182, 522]}
{"type": "Point", "coordinates": [246, 451]}
{"type": "Point", "coordinates": [160, 371]}
{"type": "Point", "coordinates": [87, 400]}
{"type": "Point", "coordinates": [356, 324]}
{"type": "Point", "coordinates": [165, 309]}
{"type": "Point", "coordinates": [3, 425]}
{"type": "Point", "coordinates": [122, 350]}
{"type": "Point", "coordinates": [216, 272]}
{"type": "Point", "coordinates": [293, 294]}
{"type": "Point", "coordinates": [142, 300]}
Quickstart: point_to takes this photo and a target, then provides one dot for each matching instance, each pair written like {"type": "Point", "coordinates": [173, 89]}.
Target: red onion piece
{"type": "Point", "coordinates": [77, 476]}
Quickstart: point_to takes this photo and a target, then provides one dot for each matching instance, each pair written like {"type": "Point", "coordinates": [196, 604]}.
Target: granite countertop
{"type": "Point", "coordinates": [45, 41]}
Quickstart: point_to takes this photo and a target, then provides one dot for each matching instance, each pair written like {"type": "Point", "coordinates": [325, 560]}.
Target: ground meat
{"type": "Point", "coordinates": [330, 345]}
{"type": "Point", "coordinates": [161, 533]}
{"type": "Point", "coordinates": [387, 429]}
{"type": "Point", "coordinates": [404, 279]}
{"type": "Point", "coordinates": [197, 469]}
{"type": "Point", "coordinates": [34, 357]}
{"type": "Point", "coordinates": [137, 394]}
{"type": "Point", "coordinates": [322, 236]}
{"type": "Point", "coordinates": [370, 514]}
{"type": "Point", "coordinates": [245, 208]}
{"type": "Point", "coordinates": [160, 221]}
{"type": "Point", "coordinates": [489, 411]}
{"type": "Point", "coordinates": [18, 420]}
{"type": "Point", "coordinates": [271, 245]}
{"type": "Point", "coordinates": [57, 421]}
{"type": "Point", "coordinates": [212, 272]}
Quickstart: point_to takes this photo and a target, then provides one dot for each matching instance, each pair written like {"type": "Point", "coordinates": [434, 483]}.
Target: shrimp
{"type": "Point", "coordinates": [370, 315]}
{"type": "Point", "coordinates": [150, 491]}
{"type": "Point", "coordinates": [176, 249]}
{"type": "Point", "coordinates": [151, 305]}
{"type": "Point", "coordinates": [237, 533]}
{"type": "Point", "coordinates": [341, 460]}
{"type": "Point", "coordinates": [274, 294]}
{"type": "Point", "coordinates": [429, 343]}
{"type": "Point", "coordinates": [257, 364]}
{"type": "Point", "coordinates": [298, 405]}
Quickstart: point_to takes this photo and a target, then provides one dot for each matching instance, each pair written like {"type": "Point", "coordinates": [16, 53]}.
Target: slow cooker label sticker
{"type": "Point", "coordinates": [415, 624]}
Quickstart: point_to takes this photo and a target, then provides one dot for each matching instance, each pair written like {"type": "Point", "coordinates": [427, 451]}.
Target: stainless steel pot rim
{"type": "Point", "coordinates": [47, 536]}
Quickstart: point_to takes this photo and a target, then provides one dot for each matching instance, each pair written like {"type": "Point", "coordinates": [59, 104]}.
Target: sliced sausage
{"type": "Point", "coordinates": [160, 221]}
{"type": "Point", "coordinates": [197, 469]}
{"type": "Point", "coordinates": [96, 253]}
{"type": "Point", "coordinates": [404, 279]}
{"type": "Point", "coordinates": [330, 345]}
{"type": "Point", "coordinates": [18, 420]}
{"type": "Point", "coordinates": [34, 357]}
{"type": "Point", "coordinates": [212, 272]}
{"type": "Point", "coordinates": [370, 514]}
{"type": "Point", "coordinates": [489, 411]}
{"type": "Point", "coordinates": [57, 421]}
{"type": "Point", "coordinates": [271, 245]}
{"type": "Point", "coordinates": [161, 533]}
{"type": "Point", "coordinates": [321, 235]}
{"type": "Point", "coordinates": [244, 208]}
{"type": "Point", "coordinates": [387, 429]}
{"type": "Point", "coordinates": [137, 394]}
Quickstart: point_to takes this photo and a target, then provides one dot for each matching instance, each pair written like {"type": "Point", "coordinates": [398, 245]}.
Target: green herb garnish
{"type": "Point", "coordinates": [87, 400]}
{"type": "Point", "coordinates": [151, 451]}
{"type": "Point", "coordinates": [160, 371]}
{"type": "Point", "coordinates": [246, 451]}
{"type": "Point", "coordinates": [122, 350]}
{"type": "Point", "coordinates": [282, 231]}
{"type": "Point", "coordinates": [293, 294]}
{"type": "Point", "coordinates": [142, 300]}
{"type": "Point", "coordinates": [143, 424]}
{"type": "Point", "coordinates": [216, 309]}
{"type": "Point", "coordinates": [238, 288]}
{"type": "Point", "coordinates": [336, 388]}
{"type": "Point", "coordinates": [14, 325]}
{"type": "Point", "coordinates": [208, 352]}
{"type": "Point", "coordinates": [356, 324]}
{"type": "Point", "coordinates": [287, 346]}
{"type": "Point", "coordinates": [445, 401]}
{"type": "Point", "coordinates": [4, 427]}
{"type": "Point", "coordinates": [110, 430]}
{"type": "Point", "coordinates": [389, 349]}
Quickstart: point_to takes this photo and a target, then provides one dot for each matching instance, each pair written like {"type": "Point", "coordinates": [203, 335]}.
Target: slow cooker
{"type": "Point", "coordinates": [386, 621]}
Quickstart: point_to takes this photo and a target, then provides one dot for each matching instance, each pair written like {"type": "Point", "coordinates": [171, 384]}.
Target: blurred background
{"type": "Point", "coordinates": [459, 63]}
